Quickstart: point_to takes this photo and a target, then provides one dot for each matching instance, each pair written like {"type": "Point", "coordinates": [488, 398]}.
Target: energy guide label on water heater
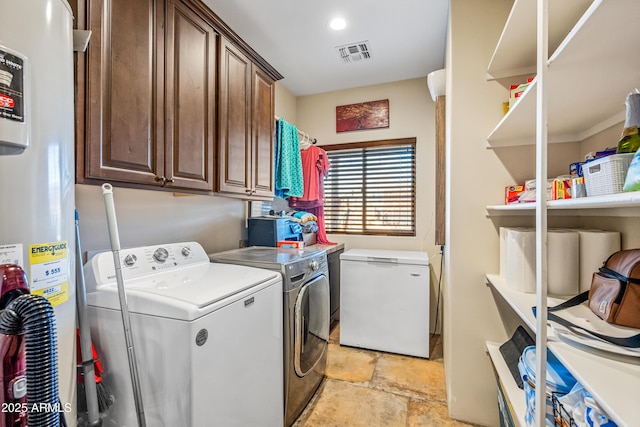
{"type": "Point", "coordinates": [11, 86]}
{"type": "Point", "coordinates": [50, 271]}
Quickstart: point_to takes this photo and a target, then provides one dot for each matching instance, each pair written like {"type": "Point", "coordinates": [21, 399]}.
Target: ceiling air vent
{"type": "Point", "coordinates": [354, 52]}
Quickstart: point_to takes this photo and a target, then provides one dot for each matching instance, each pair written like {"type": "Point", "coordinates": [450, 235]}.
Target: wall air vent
{"type": "Point", "coordinates": [354, 52]}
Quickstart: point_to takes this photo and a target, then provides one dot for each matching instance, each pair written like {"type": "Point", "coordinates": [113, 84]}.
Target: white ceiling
{"type": "Point", "coordinates": [407, 39]}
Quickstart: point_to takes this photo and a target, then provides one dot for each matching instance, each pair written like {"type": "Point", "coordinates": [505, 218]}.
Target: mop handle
{"type": "Point", "coordinates": [126, 321]}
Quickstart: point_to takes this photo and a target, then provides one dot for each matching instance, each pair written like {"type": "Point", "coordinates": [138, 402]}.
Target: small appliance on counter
{"type": "Point", "coordinates": [269, 230]}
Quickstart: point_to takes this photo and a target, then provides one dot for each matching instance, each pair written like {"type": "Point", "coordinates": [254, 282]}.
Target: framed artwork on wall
{"type": "Point", "coordinates": [362, 116]}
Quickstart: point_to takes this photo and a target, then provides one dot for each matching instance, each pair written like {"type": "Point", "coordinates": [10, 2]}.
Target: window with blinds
{"type": "Point", "coordinates": [371, 187]}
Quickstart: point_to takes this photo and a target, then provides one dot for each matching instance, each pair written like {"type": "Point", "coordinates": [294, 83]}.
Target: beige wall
{"type": "Point", "coordinates": [476, 178]}
{"type": "Point", "coordinates": [153, 217]}
{"type": "Point", "coordinates": [285, 103]}
{"type": "Point", "coordinates": [411, 114]}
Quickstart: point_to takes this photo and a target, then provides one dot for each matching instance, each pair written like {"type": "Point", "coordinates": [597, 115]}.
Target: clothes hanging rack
{"type": "Point", "coordinates": [304, 138]}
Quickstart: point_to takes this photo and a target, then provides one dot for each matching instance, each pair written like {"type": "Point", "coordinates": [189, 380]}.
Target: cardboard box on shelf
{"type": "Point", "coordinates": [309, 238]}
{"type": "Point", "coordinates": [511, 193]}
{"type": "Point", "coordinates": [561, 189]}
{"type": "Point", "coordinates": [515, 91]}
{"type": "Point", "coordinates": [290, 244]}
{"type": "Point", "coordinates": [575, 169]}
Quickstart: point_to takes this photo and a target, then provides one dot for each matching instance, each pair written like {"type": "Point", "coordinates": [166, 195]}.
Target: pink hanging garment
{"type": "Point", "coordinates": [321, 235]}
{"type": "Point", "coordinates": [315, 166]}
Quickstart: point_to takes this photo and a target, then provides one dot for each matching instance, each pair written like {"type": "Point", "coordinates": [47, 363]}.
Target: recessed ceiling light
{"type": "Point", "coordinates": [338, 24]}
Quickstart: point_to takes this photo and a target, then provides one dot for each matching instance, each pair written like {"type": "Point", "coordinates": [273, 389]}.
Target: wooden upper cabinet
{"type": "Point", "coordinates": [190, 99]}
{"type": "Point", "coordinates": [154, 113]}
{"type": "Point", "coordinates": [263, 133]}
{"type": "Point", "coordinates": [234, 143]}
{"type": "Point", "coordinates": [246, 126]}
{"type": "Point", "coordinates": [124, 114]}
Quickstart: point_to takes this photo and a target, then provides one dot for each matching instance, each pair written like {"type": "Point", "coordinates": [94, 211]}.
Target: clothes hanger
{"type": "Point", "coordinates": [305, 142]}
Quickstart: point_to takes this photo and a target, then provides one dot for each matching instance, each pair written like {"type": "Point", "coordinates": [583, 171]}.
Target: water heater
{"type": "Point", "coordinates": [37, 222]}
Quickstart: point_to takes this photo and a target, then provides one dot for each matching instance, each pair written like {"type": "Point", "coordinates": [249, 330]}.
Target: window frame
{"type": "Point", "coordinates": [373, 145]}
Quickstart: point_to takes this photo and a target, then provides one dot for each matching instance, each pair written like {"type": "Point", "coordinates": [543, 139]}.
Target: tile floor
{"type": "Point", "coordinates": [376, 389]}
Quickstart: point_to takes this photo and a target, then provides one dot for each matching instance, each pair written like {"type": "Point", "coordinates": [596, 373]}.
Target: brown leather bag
{"type": "Point", "coordinates": [614, 295]}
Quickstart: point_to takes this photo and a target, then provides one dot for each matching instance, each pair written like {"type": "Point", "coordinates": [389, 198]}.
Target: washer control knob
{"type": "Point", "coordinates": [186, 251]}
{"type": "Point", "coordinates": [314, 265]}
{"type": "Point", "coordinates": [161, 255]}
{"type": "Point", "coordinates": [130, 259]}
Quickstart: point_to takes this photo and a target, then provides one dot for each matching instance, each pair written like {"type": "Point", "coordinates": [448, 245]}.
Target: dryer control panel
{"type": "Point", "coordinates": [305, 268]}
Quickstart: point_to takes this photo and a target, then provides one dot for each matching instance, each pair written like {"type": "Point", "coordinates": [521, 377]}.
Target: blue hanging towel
{"type": "Point", "coordinates": [288, 167]}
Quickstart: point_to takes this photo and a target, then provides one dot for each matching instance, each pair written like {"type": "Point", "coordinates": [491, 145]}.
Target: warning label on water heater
{"type": "Point", "coordinates": [11, 254]}
{"type": "Point", "coordinates": [50, 271]}
{"type": "Point", "coordinates": [11, 86]}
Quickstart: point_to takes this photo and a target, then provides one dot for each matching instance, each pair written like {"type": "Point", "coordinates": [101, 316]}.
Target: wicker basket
{"type": "Point", "coordinates": [561, 416]}
{"type": "Point", "coordinates": [606, 175]}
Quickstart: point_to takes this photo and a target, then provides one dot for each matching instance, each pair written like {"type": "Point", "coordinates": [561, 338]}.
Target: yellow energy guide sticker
{"type": "Point", "coordinates": [50, 271]}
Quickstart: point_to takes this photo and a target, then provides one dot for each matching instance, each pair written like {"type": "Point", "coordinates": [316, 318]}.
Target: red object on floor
{"type": "Point", "coordinates": [96, 360]}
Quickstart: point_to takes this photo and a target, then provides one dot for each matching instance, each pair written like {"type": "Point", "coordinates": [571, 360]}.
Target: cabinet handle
{"type": "Point", "coordinates": [170, 181]}
{"type": "Point", "coordinates": [161, 180]}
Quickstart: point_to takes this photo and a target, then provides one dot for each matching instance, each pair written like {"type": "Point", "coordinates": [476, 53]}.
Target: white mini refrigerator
{"type": "Point", "coordinates": [384, 301]}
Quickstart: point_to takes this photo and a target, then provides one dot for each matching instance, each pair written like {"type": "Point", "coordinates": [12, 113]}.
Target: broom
{"type": "Point", "coordinates": [104, 396]}
{"type": "Point", "coordinates": [93, 396]}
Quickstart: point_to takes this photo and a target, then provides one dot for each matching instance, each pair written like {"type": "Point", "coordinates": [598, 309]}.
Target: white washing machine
{"type": "Point", "coordinates": [207, 338]}
{"type": "Point", "coordinates": [384, 301]}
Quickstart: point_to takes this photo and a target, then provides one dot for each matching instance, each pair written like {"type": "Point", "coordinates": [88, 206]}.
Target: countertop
{"type": "Point", "coordinates": [329, 248]}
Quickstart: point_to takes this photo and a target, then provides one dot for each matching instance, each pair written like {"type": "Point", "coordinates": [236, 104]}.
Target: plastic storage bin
{"type": "Point", "coordinates": [607, 174]}
{"type": "Point", "coordinates": [559, 382]}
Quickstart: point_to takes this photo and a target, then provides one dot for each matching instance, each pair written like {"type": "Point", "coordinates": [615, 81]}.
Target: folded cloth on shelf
{"type": "Point", "coordinates": [310, 227]}
{"type": "Point", "coordinates": [303, 217]}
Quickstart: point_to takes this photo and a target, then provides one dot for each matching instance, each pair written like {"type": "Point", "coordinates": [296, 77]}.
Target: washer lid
{"type": "Point", "coordinates": [188, 293]}
{"type": "Point", "coordinates": [381, 255]}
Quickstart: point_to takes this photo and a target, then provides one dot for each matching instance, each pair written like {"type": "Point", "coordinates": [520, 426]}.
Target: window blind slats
{"type": "Point", "coordinates": [371, 190]}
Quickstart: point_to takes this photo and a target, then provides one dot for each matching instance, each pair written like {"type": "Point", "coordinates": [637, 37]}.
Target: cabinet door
{"type": "Point", "coordinates": [190, 99]}
{"type": "Point", "coordinates": [124, 126]}
{"type": "Point", "coordinates": [262, 134]}
{"type": "Point", "coordinates": [234, 147]}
